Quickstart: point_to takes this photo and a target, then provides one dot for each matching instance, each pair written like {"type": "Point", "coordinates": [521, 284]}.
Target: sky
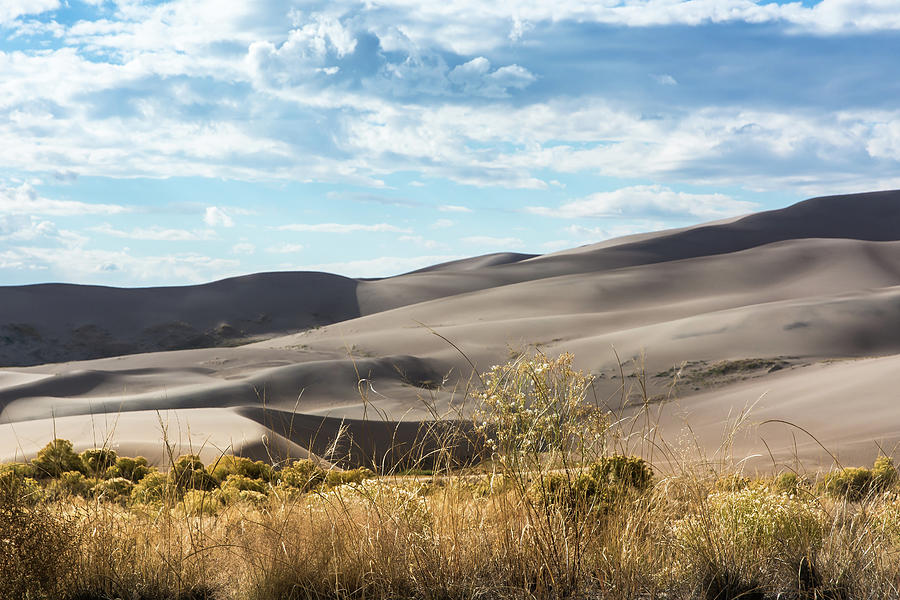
{"type": "Point", "coordinates": [172, 142]}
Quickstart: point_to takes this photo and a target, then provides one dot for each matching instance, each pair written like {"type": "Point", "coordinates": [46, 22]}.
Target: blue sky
{"type": "Point", "coordinates": [154, 142]}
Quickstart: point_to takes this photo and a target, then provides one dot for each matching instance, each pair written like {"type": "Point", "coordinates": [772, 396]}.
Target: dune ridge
{"type": "Point", "coordinates": [806, 284]}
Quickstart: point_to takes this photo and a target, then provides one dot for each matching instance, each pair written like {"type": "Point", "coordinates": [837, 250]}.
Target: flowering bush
{"type": "Point", "coordinates": [538, 405]}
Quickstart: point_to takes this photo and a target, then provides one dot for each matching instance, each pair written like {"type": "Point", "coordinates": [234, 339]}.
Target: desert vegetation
{"type": "Point", "coordinates": [568, 501]}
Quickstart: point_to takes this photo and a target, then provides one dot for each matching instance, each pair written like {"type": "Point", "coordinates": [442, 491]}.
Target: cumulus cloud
{"type": "Point", "coordinates": [217, 217]}
{"type": "Point", "coordinates": [12, 9]}
{"type": "Point", "coordinates": [648, 200]}
{"type": "Point", "coordinates": [475, 77]}
{"type": "Point", "coordinates": [304, 53]}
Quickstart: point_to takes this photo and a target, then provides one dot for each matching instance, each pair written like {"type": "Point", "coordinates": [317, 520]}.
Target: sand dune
{"type": "Point", "coordinates": [813, 282]}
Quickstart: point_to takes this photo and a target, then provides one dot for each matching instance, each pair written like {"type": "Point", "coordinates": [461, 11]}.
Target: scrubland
{"type": "Point", "coordinates": [568, 500]}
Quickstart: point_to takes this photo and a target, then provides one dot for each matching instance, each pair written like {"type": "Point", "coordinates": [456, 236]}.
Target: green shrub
{"type": "Point", "coordinates": [97, 460]}
{"type": "Point", "coordinates": [604, 485]}
{"type": "Point", "coordinates": [68, 484]}
{"type": "Point", "coordinates": [303, 475]}
{"type": "Point", "coordinates": [24, 490]}
{"type": "Point", "coordinates": [856, 483]}
{"type": "Point", "coordinates": [884, 473]}
{"type": "Point", "coordinates": [201, 502]}
{"type": "Point", "coordinates": [788, 483]}
{"type": "Point", "coordinates": [188, 473]}
{"type": "Point", "coordinates": [117, 489]}
{"type": "Point", "coordinates": [133, 469]}
{"type": "Point", "coordinates": [56, 458]}
{"type": "Point", "coordinates": [242, 483]}
{"type": "Point", "coordinates": [37, 550]}
{"type": "Point", "coordinates": [738, 543]}
{"type": "Point", "coordinates": [238, 465]}
{"type": "Point", "coordinates": [20, 469]}
{"type": "Point", "coordinates": [334, 477]}
{"type": "Point", "coordinates": [154, 488]}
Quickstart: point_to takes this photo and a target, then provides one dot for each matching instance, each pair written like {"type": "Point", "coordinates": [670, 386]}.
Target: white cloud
{"type": "Point", "coordinates": [476, 77]}
{"type": "Point", "coordinates": [285, 248]}
{"type": "Point", "coordinates": [155, 233]}
{"type": "Point", "coordinates": [243, 248]}
{"type": "Point", "coordinates": [12, 9]}
{"type": "Point", "coordinates": [217, 217]}
{"type": "Point", "coordinates": [648, 200]}
{"type": "Point", "coordinates": [24, 200]}
{"type": "Point", "coordinates": [502, 243]}
{"type": "Point", "coordinates": [454, 208]}
{"type": "Point", "coordinates": [342, 227]}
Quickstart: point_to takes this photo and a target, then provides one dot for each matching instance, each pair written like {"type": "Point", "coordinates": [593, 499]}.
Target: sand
{"type": "Point", "coordinates": [805, 285]}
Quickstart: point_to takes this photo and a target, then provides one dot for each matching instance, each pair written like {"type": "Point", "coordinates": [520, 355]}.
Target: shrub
{"type": "Point", "coordinates": [335, 478]}
{"type": "Point", "coordinates": [303, 475]}
{"type": "Point", "coordinates": [133, 469]}
{"type": "Point", "coordinates": [201, 502]}
{"type": "Point", "coordinates": [116, 489]}
{"type": "Point", "coordinates": [68, 484]}
{"type": "Point", "coordinates": [56, 458]}
{"type": "Point", "coordinates": [154, 488]}
{"type": "Point", "coordinates": [188, 473]}
{"type": "Point", "coordinates": [24, 490]}
{"type": "Point", "coordinates": [537, 405]}
{"type": "Point", "coordinates": [856, 483]}
{"type": "Point", "coordinates": [97, 460]}
{"type": "Point", "coordinates": [788, 483]}
{"type": "Point", "coordinates": [735, 543]}
{"type": "Point", "coordinates": [237, 465]}
{"type": "Point", "coordinates": [241, 483]}
{"type": "Point", "coordinates": [36, 549]}
{"type": "Point", "coordinates": [605, 484]}
{"type": "Point", "coordinates": [20, 469]}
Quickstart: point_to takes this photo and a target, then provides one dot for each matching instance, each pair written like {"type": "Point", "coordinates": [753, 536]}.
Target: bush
{"type": "Point", "coordinates": [738, 543]}
{"type": "Point", "coordinates": [188, 473]}
{"type": "Point", "coordinates": [201, 502]}
{"type": "Point", "coordinates": [303, 475]}
{"type": "Point", "coordinates": [20, 469]}
{"type": "Point", "coordinates": [335, 478]}
{"type": "Point", "coordinates": [97, 460]}
{"type": "Point", "coordinates": [604, 485]}
{"type": "Point", "coordinates": [117, 489]}
{"type": "Point", "coordinates": [856, 483]}
{"type": "Point", "coordinates": [36, 549]}
{"type": "Point", "coordinates": [24, 490]}
{"type": "Point", "coordinates": [133, 469]}
{"type": "Point", "coordinates": [788, 483]}
{"type": "Point", "coordinates": [56, 458]}
{"type": "Point", "coordinates": [154, 488]}
{"type": "Point", "coordinates": [237, 465]}
{"type": "Point", "coordinates": [68, 484]}
{"type": "Point", "coordinates": [241, 483]}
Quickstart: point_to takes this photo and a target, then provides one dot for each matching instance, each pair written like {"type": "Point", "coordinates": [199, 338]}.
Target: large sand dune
{"type": "Point", "coordinates": [797, 288]}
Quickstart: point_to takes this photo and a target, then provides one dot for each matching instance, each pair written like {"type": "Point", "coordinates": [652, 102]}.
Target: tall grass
{"type": "Point", "coordinates": [565, 503]}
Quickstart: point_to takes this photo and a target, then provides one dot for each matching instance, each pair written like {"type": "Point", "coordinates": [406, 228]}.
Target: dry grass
{"type": "Point", "coordinates": [556, 512]}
